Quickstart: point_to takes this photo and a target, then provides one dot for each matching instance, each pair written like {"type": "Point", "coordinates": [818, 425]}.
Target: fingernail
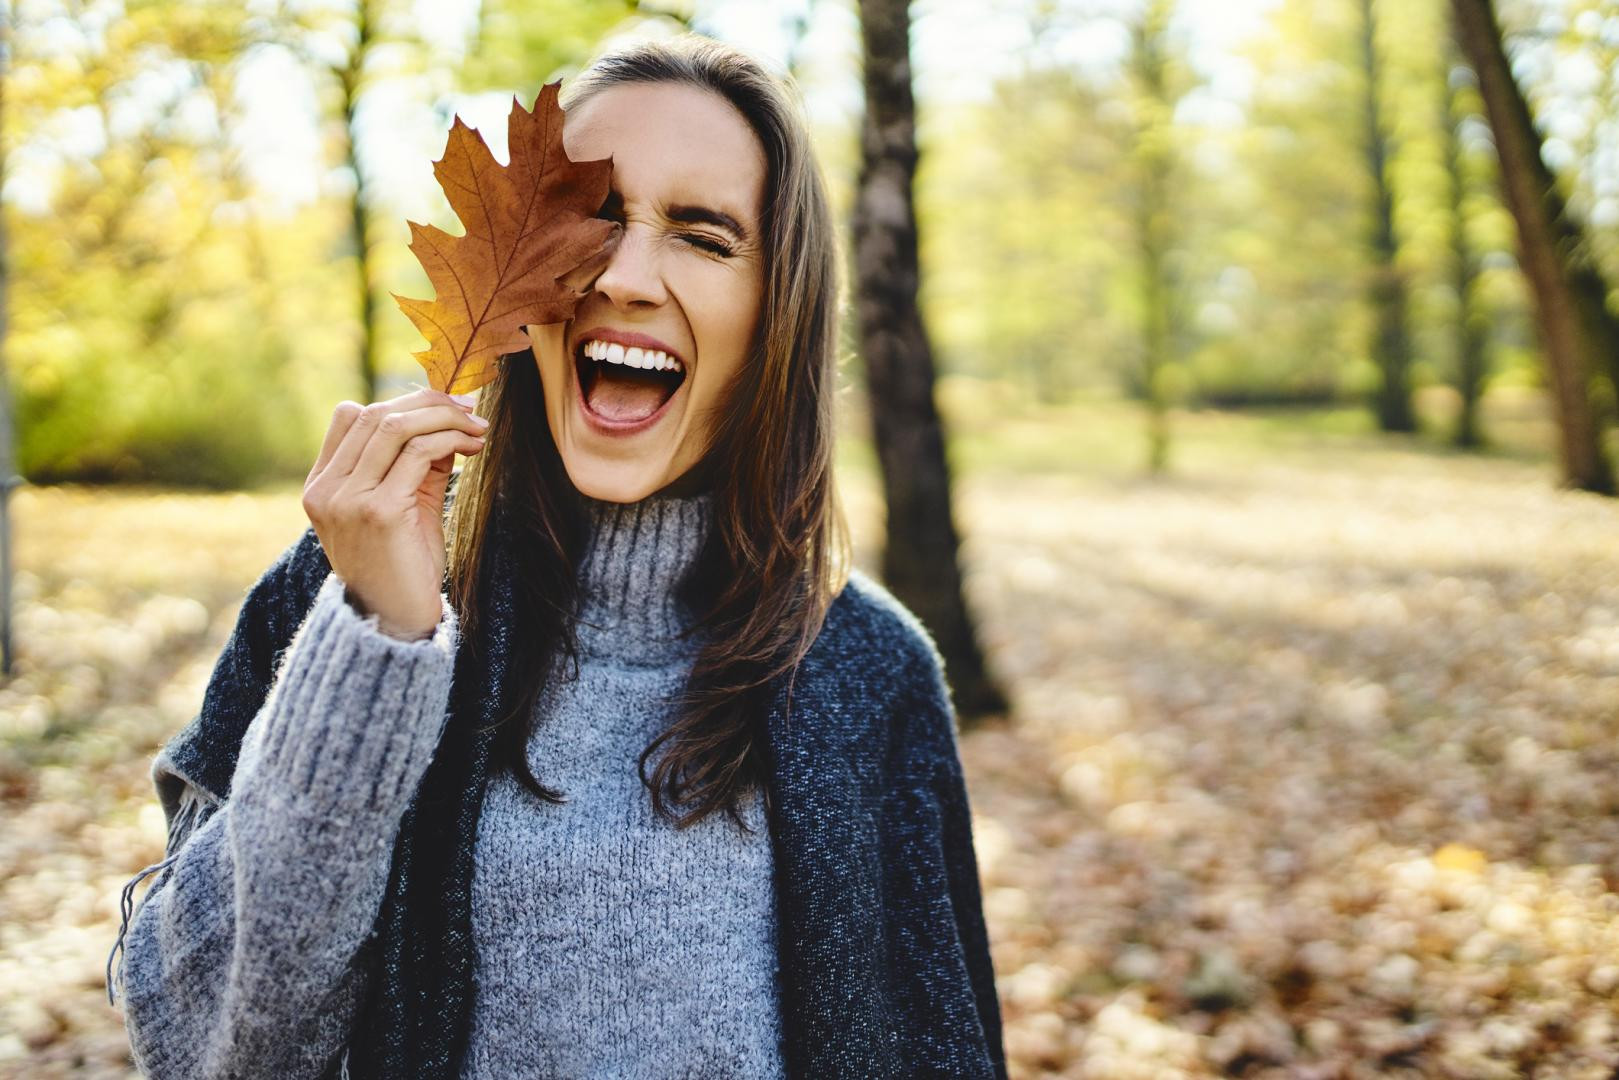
{"type": "Point", "coordinates": [463, 399]}
{"type": "Point", "coordinates": [481, 421]}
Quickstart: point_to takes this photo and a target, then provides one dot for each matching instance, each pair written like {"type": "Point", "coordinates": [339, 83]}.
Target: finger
{"type": "Point", "coordinates": [417, 457]}
{"type": "Point", "coordinates": [343, 418]}
{"type": "Point", "coordinates": [365, 425]}
{"type": "Point", "coordinates": [395, 430]}
{"type": "Point", "coordinates": [417, 398]}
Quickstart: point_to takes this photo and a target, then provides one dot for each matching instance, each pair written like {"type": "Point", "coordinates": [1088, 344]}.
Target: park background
{"type": "Point", "coordinates": [1288, 542]}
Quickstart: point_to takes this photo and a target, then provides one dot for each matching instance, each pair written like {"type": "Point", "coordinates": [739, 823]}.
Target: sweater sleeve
{"type": "Point", "coordinates": [244, 958]}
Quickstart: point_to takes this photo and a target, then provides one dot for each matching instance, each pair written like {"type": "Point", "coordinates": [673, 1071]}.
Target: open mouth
{"type": "Point", "coordinates": [625, 385]}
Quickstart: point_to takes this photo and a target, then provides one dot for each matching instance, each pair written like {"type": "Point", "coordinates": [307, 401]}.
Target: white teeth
{"type": "Point", "coordinates": [646, 359]}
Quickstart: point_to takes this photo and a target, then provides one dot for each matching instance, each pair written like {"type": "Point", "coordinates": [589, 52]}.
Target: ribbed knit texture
{"type": "Point", "coordinates": [238, 962]}
{"type": "Point", "coordinates": [884, 959]}
{"type": "Point", "coordinates": [611, 943]}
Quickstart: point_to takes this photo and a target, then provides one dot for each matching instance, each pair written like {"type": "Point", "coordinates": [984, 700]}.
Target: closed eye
{"type": "Point", "coordinates": [709, 244]}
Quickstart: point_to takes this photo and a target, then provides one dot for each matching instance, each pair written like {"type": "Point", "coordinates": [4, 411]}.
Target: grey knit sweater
{"type": "Point", "coordinates": [609, 942]}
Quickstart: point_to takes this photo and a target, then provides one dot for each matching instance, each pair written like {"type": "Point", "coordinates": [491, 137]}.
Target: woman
{"type": "Point", "coordinates": [366, 875]}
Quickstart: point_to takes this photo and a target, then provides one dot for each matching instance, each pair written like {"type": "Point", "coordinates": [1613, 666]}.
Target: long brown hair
{"type": "Point", "coordinates": [778, 551]}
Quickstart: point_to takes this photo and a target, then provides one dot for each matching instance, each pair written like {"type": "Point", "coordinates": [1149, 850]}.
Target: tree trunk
{"type": "Point", "coordinates": [351, 77]}
{"type": "Point", "coordinates": [1575, 329]}
{"type": "Point", "coordinates": [920, 557]}
{"type": "Point", "coordinates": [1154, 162]}
{"type": "Point", "coordinates": [1391, 339]}
{"type": "Point", "coordinates": [8, 452]}
{"type": "Point", "coordinates": [1472, 359]}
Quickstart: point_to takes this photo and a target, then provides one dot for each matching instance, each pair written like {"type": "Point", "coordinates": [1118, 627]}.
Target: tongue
{"type": "Point", "coordinates": [624, 399]}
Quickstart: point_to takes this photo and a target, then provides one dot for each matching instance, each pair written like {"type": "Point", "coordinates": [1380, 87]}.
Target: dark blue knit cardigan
{"type": "Point", "coordinates": [884, 956]}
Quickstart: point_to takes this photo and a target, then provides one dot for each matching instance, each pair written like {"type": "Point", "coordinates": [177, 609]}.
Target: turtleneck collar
{"type": "Point", "coordinates": [635, 556]}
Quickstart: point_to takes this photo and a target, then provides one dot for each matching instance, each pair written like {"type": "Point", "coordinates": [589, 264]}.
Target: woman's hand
{"type": "Point", "coordinates": [376, 500]}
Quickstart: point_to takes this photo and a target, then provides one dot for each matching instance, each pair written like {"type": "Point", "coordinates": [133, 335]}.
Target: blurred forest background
{"type": "Point", "coordinates": [207, 201]}
{"type": "Point", "coordinates": [1282, 488]}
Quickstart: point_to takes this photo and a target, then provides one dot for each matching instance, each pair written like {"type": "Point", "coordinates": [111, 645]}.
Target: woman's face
{"type": "Point", "coordinates": [632, 381]}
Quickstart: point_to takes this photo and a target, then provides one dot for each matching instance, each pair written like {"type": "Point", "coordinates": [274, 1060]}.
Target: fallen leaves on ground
{"type": "Point", "coordinates": [1310, 773]}
{"type": "Point", "coordinates": [1309, 776]}
{"type": "Point", "coordinates": [124, 599]}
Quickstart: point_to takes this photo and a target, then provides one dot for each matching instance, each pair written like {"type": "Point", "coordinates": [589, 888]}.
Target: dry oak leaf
{"type": "Point", "coordinates": [531, 234]}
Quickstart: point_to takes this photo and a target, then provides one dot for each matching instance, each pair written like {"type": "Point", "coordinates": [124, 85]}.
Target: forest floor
{"type": "Point", "coordinates": [1310, 770]}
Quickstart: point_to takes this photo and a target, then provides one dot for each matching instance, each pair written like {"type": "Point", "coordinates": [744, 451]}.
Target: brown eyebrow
{"type": "Point", "coordinates": [704, 215]}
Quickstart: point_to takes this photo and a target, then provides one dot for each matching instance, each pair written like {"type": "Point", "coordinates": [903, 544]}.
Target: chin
{"type": "Point", "coordinates": [612, 466]}
{"type": "Point", "coordinates": [623, 482]}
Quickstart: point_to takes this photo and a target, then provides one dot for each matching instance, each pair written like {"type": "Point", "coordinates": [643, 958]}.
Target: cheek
{"type": "Point", "coordinates": [550, 358]}
{"type": "Point", "coordinates": [554, 391]}
{"type": "Point", "coordinates": [547, 341]}
{"type": "Point", "coordinates": [725, 325]}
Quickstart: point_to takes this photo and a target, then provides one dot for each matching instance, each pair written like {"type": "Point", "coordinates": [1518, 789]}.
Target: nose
{"type": "Point", "coordinates": [632, 277]}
